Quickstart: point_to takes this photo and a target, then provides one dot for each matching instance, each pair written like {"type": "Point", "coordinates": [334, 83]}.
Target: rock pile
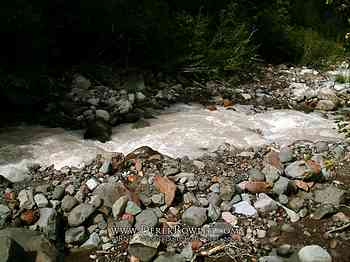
{"type": "Point", "coordinates": [148, 206]}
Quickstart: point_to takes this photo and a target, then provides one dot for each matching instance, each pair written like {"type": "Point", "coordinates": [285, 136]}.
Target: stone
{"type": "Point", "coordinates": [321, 146]}
{"type": "Point", "coordinates": [140, 97]}
{"type": "Point", "coordinates": [158, 199]}
{"type": "Point", "coordinates": [285, 250]}
{"type": "Point", "coordinates": [98, 129]}
{"type": "Point", "coordinates": [41, 200]}
{"type": "Point", "coordinates": [296, 170]}
{"type": "Point", "coordinates": [255, 175]}
{"type": "Point", "coordinates": [244, 208]}
{"type": "Point", "coordinates": [80, 214]}
{"type": "Point", "coordinates": [214, 199]}
{"type": "Point", "coordinates": [214, 212]}
{"type": "Point", "coordinates": [123, 106]}
{"type": "Point", "coordinates": [280, 186]}
{"type": "Point", "coordinates": [5, 213]}
{"type": "Point", "coordinates": [81, 82]}
{"type": "Point", "coordinates": [216, 230]}
{"type": "Point", "coordinates": [144, 245]}
{"type": "Point", "coordinates": [103, 114]}
{"type": "Point", "coordinates": [296, 203]}
{"type": "Point", "coordinates": [260, 233]}
{"type": "Point", "coordinates": [300, 91]}
{"type": "Point", "coordinates": [106, 167]}
{"type": "Point", "coordinates": [47, 222]}
{"type": "Point", "coordinates": [91, 184]}
{"type": "Point", "coordinates": [293, 216]}
{"type": "Point", "coordinates": [132, 208]}
{"type": "Point", "coordinates": [270, 259]}
{"type": "Point", "coordinates": [171, 257]}
{"type": "Point", "coordinates": [92, 242]}
{"type": "Point", "coordinates": [58, 193]}
{"type": "Point", "coordinates": [16, 175]}
{"type": "Point", "coordinates": [229, 218]}
{"type": "Point", "coordinates": [272, 173]}
{"type": "Point", "coordinates": [286, 155]}
{"type": "Point", "coordinates": [10, 251]}
{"type": "Point", "coordinates": [283, 199]}
{"type": "Point", "coordinates": [118, 207]}
{"type": "Point", "coordinates": [194, 216]}
{"type": "Point", "coordinates": [25, 198]}
{"type": "Point", "coordinates": [330, 195]}
{"type": "Point", "coordinates": [111, 192]}
{"type": "Point", "coordinates": [75, 235]}
{"type": "Point", "coordinates": [227, 190]}
{"type": "Point", "coordinates": [265, 203]}
{"type": "Point", "coordinates": [37, 247]}
{"type": "Point", "coordinates": [325, 105]}
{"type": "Point", "coordinates": [215, 188]}
{"type": "Point", "coordinates": [314, 253]}
{"type": "Point", "coordinates": [68, 202]}
{"type": "Point", "coordinates": [146, 220]}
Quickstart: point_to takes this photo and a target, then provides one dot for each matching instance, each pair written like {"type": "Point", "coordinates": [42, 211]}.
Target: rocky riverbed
{"type": "Point", "coordinates": [221, 182]}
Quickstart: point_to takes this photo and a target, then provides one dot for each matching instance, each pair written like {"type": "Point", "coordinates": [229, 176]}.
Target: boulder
{"type": "Point", "coordinates": [98, 129]}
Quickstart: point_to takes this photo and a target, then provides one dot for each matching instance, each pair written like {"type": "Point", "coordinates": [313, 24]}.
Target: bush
{"type": "Point", "coordinates": [310, 48]}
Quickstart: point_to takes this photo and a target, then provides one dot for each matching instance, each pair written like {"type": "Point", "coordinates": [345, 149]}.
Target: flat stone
{"type": "Point", "coordinates": [314, 253]}
{"type": "Point", "coordinates": [75, 235]}
{"type": "Point", "coordinates": [244, 208]}
{"type": "Point", "coordinates": [80, 213]}
{"type": "Point", "coordinates": [330, 195]}
{"type": "Point", "coordinates": [194, 216]}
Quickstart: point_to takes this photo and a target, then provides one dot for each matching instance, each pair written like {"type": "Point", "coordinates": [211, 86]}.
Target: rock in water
{"type": "Point", "coordinates": [98, 129]}
{"type": "Point", "coordinates": [10, 251]}
{"type": "Point", "coordinates": [314, 253]}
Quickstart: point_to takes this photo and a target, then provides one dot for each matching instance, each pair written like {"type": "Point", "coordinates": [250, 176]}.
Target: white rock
{"type": "Point", "coordinates": [244, 208]}
{"type": "Point", "coordinates": [91, 184]}
{"type": "Point", "coordinates": [41, 200]}
{"type": "Point", "coordinates": [265, 203]}
{"type": "Point", "coordinates": [26, 199]}
{"type": "Point", "coordinates": [314, 253]}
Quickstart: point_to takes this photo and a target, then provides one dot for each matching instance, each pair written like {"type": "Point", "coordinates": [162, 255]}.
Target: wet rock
{"type": "Point", "coordinates": [244, 208]}
{"type": "Point", "coordinates": [330, 195]}
{"type": "Point", "coordinates": [75, 235]}
{"type": "Point", "coordinates": [118, 207]}
{"type": "Point", "coordinates": [314, 253]}
{"type": "Point", "coordinates": [146, 220]}
{"type": "Point", "coordinates": [144, 245]}
{"type": "Point", "coordinates": [25, 198]}
{"type": "Point", "coordinates": [79, 214]}
{"type": "Point", "coordinates": [68, 202]}
{"type": "Point", "coordinates": [41, 200]}
{"type": "Point", "coordinates": [98, 129]}
{"type": "Point", "coordinates": [5, 213]}
{"type": "Point", "coordinates": [194, 216]}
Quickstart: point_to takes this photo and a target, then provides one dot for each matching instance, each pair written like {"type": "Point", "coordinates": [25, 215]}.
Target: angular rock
{"type": "Point", "coordinates": [280, 186]}
{"type": "Point", "coordinates": [98, 129]}
{"type": "Point", "coordinates": [194, 216]}
{"type": "Point", "coordinates": [58, 193]}
{"type": "Point", "coordinates": [79, 214]}
{"type": "Point", "coordinates": [111, 192]}
{"type": "Point", "coordinates": [244, 208]}
{"type": "Point", "coordinates": [92, 242]}
{"type": "Point", "coordinates": [47, 222]}
{"type": "Point", "coordinates": [296, 170]}
{"type": "Point", "coordinates": [103, 114]}
{"type": "Point", "coordinates": [132, 208]}
{"type": "Point", "coordinates": [214, 212]}
{"type": "Point", "coordinates": [325, 105]}
{"type": "Point", "coordinates": [68, 202]}
{"type": "Point", "coordinates": [286, 155]}
{"type": "Point", "coordinates": [255, 175]}
{"type": "Point", "coordinates": [265, 203]}
{"type": "Point", "coordinates": [146, 220]}
{"type": "Point", "coordinates": [330, 195]}
{"type": "Point", "coordinates": [5, 213]}
{"type": "Point", "coordinates": [166, 186]}
{"type": "Point", "coordinates": [227, 189]}
{"type": "Point", "coordinates": [271, 173]}
{"type": "Point", "coordinates": [41, 200]}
